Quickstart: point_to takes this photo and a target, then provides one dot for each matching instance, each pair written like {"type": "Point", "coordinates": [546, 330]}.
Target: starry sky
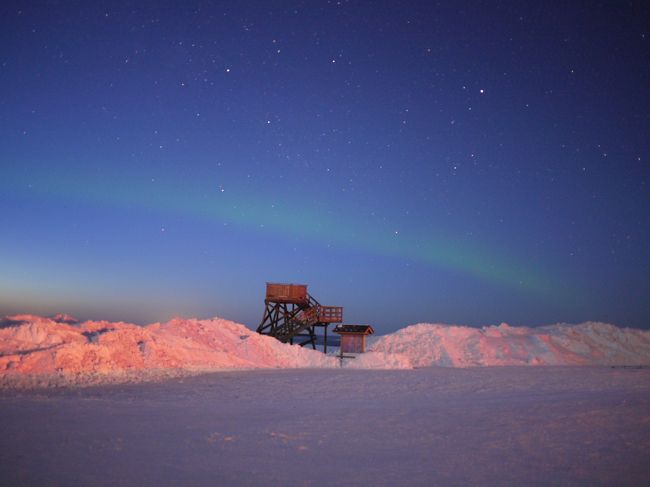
{"type": "Point", "coordinates": [458, 162]}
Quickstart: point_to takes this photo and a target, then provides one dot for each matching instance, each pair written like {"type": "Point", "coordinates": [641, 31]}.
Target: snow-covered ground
{"type": "Point", "coordinates": [39, 351]}
{"type": "Point", "coordinates": [301, 419]}
{"type": "Point", "coordinates": [488, 426]}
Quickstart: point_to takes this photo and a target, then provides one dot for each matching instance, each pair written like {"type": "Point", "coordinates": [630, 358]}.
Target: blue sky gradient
{"type": "Point", "coordinates": [466, 162]}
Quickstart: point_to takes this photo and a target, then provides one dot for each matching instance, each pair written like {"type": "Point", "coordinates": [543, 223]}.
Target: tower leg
{"type": "Point", "coordinates": [312, 335]}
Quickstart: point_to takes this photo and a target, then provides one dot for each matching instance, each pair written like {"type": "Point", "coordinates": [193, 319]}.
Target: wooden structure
{"type": "Point", "coordinates": [292, 314]}
{"type": "Point", "coordinates": [353, 337]}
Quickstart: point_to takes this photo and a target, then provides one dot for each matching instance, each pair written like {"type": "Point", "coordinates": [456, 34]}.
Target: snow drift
{"type": "Point", "coordinates": [562, 344]}
{"type": "Point", "coordinates": [35, 350]}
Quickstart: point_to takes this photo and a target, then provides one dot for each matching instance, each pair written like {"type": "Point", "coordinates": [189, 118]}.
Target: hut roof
{"type": "Point", "coordinates": [355, 329]}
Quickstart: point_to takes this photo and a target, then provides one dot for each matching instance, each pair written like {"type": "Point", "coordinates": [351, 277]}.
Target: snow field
{"type": "Point", "coordinates": [488, 426]}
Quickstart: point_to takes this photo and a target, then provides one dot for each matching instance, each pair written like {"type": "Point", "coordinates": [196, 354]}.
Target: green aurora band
{"type": "Point", "coordinates": [286, 219]}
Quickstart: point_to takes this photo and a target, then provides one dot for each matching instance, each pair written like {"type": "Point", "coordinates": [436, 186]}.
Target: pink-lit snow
{"type": "Point", "coordinates": [301, 420]}
{"type": "Point", "coordinates": [49, 351]}
{"type": "Point", "coordinates": [460, 346]}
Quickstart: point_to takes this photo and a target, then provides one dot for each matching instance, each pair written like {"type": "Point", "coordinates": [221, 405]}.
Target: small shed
{"type": "Point", "coordinates": [353, 337]}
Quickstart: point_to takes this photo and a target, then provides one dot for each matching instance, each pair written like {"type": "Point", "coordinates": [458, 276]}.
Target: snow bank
{"type": "Point", "coordinates": [561, 344]}
{"type": "Point", "coordinates": [49, 351]}
{"type": "Point", "coordinates": [35, 350]}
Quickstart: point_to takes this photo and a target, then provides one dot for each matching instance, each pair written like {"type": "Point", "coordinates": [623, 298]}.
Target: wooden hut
{"type": "Point", "coordinates": [353, 337]}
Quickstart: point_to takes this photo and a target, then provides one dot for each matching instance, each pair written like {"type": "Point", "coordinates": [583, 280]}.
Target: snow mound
{"type": "Point", "coordinates": [36, 350]}
{"type": "Point", "coordinates": [588, 343]}
{"type": "Point", "coordinates": [54, 351]}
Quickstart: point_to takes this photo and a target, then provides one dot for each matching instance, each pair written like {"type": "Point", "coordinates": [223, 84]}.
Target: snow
{"type": "Point", "coordinates": [489, 426]}
{"type": "Point", "coordinates": [561, 344]}
{"type": "Point", "coordinates": [277, 414]}
{"type": "Point", "coordinates": [36, 350]}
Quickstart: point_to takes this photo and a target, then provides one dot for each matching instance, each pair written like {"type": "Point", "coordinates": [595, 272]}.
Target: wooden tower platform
{"type": "Point", "coordinates": [292, 314]}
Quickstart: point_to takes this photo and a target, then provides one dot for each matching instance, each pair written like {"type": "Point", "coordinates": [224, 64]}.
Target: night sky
{"type": "Point", "coordinates": [459, 162]}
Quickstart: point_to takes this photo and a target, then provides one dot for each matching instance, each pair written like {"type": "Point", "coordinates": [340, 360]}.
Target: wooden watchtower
{"type": "Point", "coordinates": [291, 313]}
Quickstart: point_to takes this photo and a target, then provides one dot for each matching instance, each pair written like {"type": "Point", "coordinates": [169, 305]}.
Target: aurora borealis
{"type": "Point", "coordinates": [469, 163]}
